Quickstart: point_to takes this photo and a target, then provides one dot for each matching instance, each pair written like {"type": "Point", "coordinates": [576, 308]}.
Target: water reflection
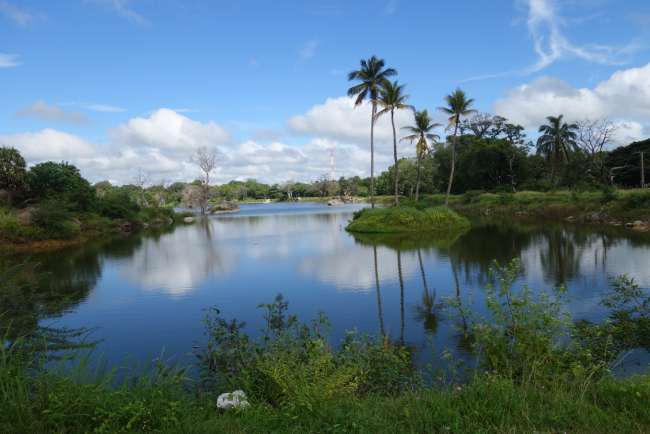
{"type": "Point", "coordinates": [147, 292]}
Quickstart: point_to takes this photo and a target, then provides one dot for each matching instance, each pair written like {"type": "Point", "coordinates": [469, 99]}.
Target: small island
{"type": "Point", "coordinates": [406, 219]}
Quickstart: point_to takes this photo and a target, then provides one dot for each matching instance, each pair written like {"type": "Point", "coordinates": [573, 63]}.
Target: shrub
{"type": "Point", "coordinates": [56, 220]}
{"type": "Point", "coordinates": [292, 365]}
{"type": "Point", "coordinates": [472, 196]}
{"type": "Point", "coordinates": [49, 180]}
{"type": "Point", "coordinates": [117, 204]}
{"type": "Point", "coordinates": [407, 219]}
{"type": "Point", "coordinates": [636, 200]}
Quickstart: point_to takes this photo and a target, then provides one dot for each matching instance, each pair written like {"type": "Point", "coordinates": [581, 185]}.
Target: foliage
{"type": "Point", "coordinates": [55, 219]}
{"type": "Point", "coordinates": [12, 170]}
{"type": "Point", "coordinates": [117, 204]}
{"type": "Point", "coordinates": [49, 180]}
{"type": "Point", "coordinates": [407, 219]}
{"type": "Point", "coordinates": [292, 365]}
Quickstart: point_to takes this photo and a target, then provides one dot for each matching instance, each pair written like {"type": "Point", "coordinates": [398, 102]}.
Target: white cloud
{"type": "Point", "coordinates": [550, 43]}
{"type": "Point", "coordinates": [41, 110]}
{"type": "Point", "coordinates": [308, 50]}
{"type": "Point", "coordinates": [338, 119]}
{"type": "Point", "coordinates": [624, 97]}
{"type": "Point", "coordinates": [15, 14]}
{"type": "Point", "coordinates": [121, 7]}
{"type": "Point", "coordinates": [48, 144]}
{"type": "Point", "coordinates": [104, 108]}
{"type": "Point", "coordinates": [8, 60]}
{"type": "Point", "coordinates": [167, 129]}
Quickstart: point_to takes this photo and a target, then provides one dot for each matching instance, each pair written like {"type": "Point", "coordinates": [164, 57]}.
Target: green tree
{"type": "Point", "coordinates": [12, 171]}
{"type": "Point", "coordinates": [557, 140]}
{"type": "Point", "coordinates": [63, 180]}
{"type": "Point", "coordinates": [421, 132]}
{"type": "Point", "coordinates": [372, 76]}
{"type": "Point", "coordinates": [458, 105]}
{"type": "Point", "coordinates": [392, 97]}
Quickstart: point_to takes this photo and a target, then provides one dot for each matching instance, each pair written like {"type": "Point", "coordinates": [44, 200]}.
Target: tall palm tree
{"type": "Point", "coordinates": [557, 140]}
{"type": "Point", "coordinates": [458, 105]}
{"type": "Point", "coordinates": [391, 98]}
{"type": "Point", "coordinates": [372, 76]}
{"type": "Point", "coordinates": [421, 132]}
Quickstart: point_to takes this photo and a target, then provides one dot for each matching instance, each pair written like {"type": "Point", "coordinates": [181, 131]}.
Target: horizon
{"type": "Point", "coordinates": [114, 86]}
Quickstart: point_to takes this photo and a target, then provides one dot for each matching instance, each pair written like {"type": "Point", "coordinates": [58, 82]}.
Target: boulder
{"type": "Point", "coordinates": [236, 399]}
{"type": "Point", "coordinates": [189, 220]}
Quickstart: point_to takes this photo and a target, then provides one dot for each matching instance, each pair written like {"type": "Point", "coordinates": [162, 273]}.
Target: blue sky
{"type": "Point", "coordinates": [117, 85]}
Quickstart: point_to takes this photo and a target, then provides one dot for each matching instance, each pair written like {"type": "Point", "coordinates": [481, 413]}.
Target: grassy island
{"type": "Point", "coordinates": [401, 219]}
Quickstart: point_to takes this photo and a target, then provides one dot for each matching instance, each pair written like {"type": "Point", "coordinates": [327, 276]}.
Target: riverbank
{"type": "Point", "coordinates": [25, 231]}
{"type": "Point", "coordinates": [406, 219]}
{"type": "Point", "coordinates": [536, 370]}
{"type": "Point", "coordinates": [625, 208]}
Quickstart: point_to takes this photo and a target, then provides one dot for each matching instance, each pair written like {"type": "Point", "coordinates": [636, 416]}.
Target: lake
{"type": "Point", "coordinates": [144, 296]}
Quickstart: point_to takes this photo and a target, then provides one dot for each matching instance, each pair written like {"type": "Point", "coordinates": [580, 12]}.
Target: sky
{"type": "Point", "coordinates": [121, 86]}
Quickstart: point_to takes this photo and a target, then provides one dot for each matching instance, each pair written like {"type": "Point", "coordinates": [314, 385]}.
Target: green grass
{"type": "Point", "coordinates": [400, 219]}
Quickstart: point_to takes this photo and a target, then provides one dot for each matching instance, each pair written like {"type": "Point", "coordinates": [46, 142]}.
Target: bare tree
{"type": "Point", "coordinates": [206, 159]}
{"type": "Point", "coordinates": [593, 137]}
{"type": "Point", "coordinates": [141, 180]}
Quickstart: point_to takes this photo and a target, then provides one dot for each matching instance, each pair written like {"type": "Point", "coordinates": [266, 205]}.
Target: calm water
{"type": "Point", "coordinates": [145, 295]}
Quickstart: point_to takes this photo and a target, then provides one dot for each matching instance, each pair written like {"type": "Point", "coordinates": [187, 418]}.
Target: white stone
{"type": "Point", "coordinates": [188, 220]}
{"type": "Point", "coordinates": [236, 399]}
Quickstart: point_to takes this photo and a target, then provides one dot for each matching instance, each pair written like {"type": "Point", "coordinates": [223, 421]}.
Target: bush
{"type": "Point", "coordinates": [56, 221]}
{"type": "Point", "coordinates": [61, 180]}
{"type": "Point", "coordinates": [292, 365]}
{"type": "Point", "coordinates": [407, 219]}
{"type": "Point", "coordinates": [117, 204]}
{"type": "Point", "coordinates": [636, 200]}
{"type": "Point", "coordinates": [472, 196]}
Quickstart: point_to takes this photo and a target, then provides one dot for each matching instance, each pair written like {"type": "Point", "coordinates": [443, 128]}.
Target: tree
{"type": "Point", "coordinates": [13, 175]}
{"type": "Point", "coordinates": [206, 159]}
{"type": "Point", "coordinates": [421, 132]}
{"type": "Point", "coordinates": [61, 180]}
{"type": "Point", "coordinates": [373, 76]}
{"type": "Point", "coordinates": [458, 105]}
{"type": "Point", "coordinates": [592, 138]}
{"type": "Point", "coordinates": [392, 98]}
{"type": "Point", "coordinates": [557, 140]}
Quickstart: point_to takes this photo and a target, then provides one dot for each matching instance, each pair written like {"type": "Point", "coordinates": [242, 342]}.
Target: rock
{"type": "Point", "coordinates": [26, 216]}
{"type": "Point", "coordinates": [570, 219]}
{"type": "Point", "coordinates": [335, 202]}
{"type": "Point", "coordinates": [640, 226]}
{"type": "Point", "coordinates": [189, 220]}
{"type": "Point", "coordinates": [224, 206]}
{"type": "Point", "coordinates": [629, 224]}
{"type": "Point", "coordinates": [126, 226]}
{"type": "Point", "coordinates": [236, 399]}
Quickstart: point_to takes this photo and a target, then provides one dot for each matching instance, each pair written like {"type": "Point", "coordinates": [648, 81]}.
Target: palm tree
{"type": "Point", "coordinates": [458, 105]}
{"type": "Point", "coordinates": [373, 76]}
{"type": "Point", "coordinates": [421, 132]}
{"type": "Point", "coordinates": [557, 139]}
{"type": "Point", "coordinates": [391, 98]}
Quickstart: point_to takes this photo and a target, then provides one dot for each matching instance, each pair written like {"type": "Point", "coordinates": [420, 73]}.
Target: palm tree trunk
{"type": "Point", "coordinates": [392, 121]}
{"type": "Point", "coordinates": [372, 154]}
{"type": "Point", "coordinates": [417, 179]}
{"type": "Point", "coordinates": [453, 163]}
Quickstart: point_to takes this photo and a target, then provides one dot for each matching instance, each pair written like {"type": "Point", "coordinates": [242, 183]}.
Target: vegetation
{"type": "Point", "coordinates": [373, 77]}
{"type": "Point", "coordinates": [438, 220]}
{"type": "Point", "coordinates": [421, 132]}
{"type": "Point", "coordinates": [537, 371]}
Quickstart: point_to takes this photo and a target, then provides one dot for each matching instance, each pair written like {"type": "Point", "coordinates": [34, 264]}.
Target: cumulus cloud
{"type": "Point", "coordinates": [8, 60]}
{"type": "Point", "coordinates": [43, 111]}
{"type": "Point", "coordinates": [49, 144]}
{"type": "Point", "coordinates": [624, 97]}
{"type": "Point", "coordinates": [338, 119]}
{"type": "Point", "coordinates": [167, 129]}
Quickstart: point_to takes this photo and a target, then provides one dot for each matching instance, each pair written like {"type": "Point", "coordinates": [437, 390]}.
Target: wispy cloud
{"type": "Point", "coordinates": [122, 8]}
{"type": "Point", "coordinates": [308, 50]}
{"type": "Point", "coordinates": [41, 110]}
{"type": "Point", "coordinates": [8, 60]}
{"type": "Point", "coordinates": [391, 7]}
{"type": "Point", "coordinates": [550, 43]}
{"type": "Point", "coordinates": [17, 15]}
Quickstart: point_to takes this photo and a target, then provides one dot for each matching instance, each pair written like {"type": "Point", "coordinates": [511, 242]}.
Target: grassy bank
{"type": "Point", "coordinates": [615, 207]}
{"type": "Point", "coordinates": [536, 371]}
{"type": "Point", "coordinates": [402, 219]}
